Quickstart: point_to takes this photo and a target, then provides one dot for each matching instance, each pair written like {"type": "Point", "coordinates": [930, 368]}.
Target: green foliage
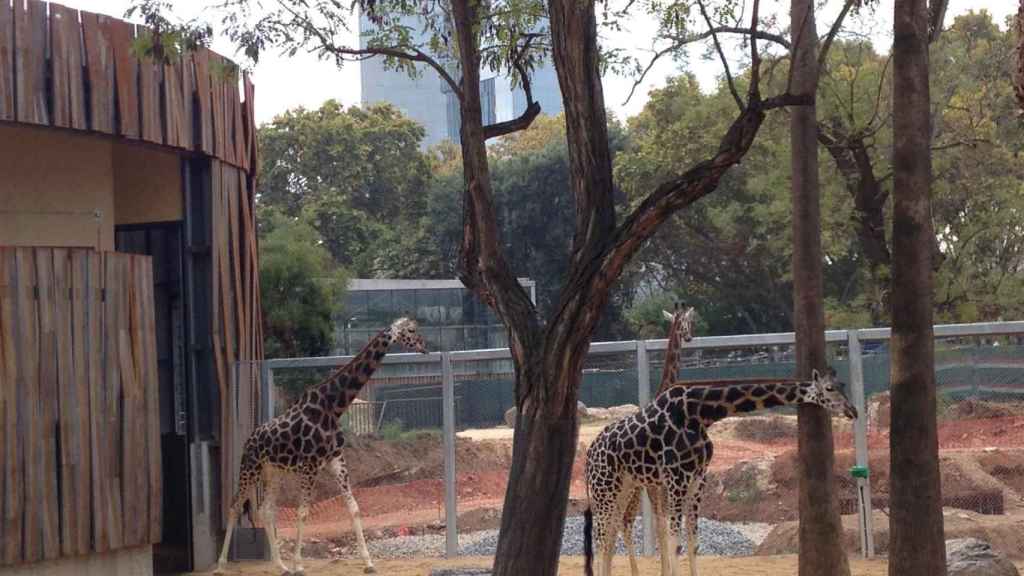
{"type": "Point", "coordinates": [355, 174]}
{"type": "Point", "coordinates": [730, 253]}
{"type": "Point", "coordinates": [301, 287]}
{"type": "Point", "coordinates": [163, 40]}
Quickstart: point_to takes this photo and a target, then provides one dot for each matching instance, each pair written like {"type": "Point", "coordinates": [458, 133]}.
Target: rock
{"type": "Point", "coordinates": [598, 413]}
{"type": "Point", "coordinates": [623, 410]}
{"type": "Point", "coordinates": [973, 557]}
{"type": "Point", "coordinates": [510, 414]}
{"type": "Point", "coordinates": [510, 417]}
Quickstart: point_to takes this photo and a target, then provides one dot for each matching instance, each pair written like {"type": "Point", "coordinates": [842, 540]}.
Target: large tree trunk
{"type": "Point", "coordinates": [916, 543]}
{"type": "Point", "coordinates": [533, 515]}
{"type": "Point", "coordinates": [1019, 82]}
{"type": "Point", "coordinates": [821, 550]}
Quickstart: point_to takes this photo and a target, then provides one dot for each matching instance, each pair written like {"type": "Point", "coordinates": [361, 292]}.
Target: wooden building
{"type": "Point", "coordinates": [129, 300]}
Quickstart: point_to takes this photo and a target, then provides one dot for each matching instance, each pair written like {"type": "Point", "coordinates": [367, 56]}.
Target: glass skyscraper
{"type": "Point", "coordinates": [428, 100]}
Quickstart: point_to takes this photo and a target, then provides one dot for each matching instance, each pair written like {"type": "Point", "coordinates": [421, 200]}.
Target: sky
{"type": "Point", "coordinates": [283, 83]}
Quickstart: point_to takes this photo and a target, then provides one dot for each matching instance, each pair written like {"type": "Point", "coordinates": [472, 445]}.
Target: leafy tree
{"type": "Point", "coordinates": [301, 287]}
{"type": "Point", "coordinates": [548, 353]}
{"type": "Point", "coordinates": [355, 174]}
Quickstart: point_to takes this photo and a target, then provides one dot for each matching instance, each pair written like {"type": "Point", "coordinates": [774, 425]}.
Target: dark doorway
{"type": "Point", "coordinates": [164, 243]}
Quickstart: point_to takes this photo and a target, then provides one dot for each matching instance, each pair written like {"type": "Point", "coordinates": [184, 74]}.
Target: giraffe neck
{"type": "Point", "coordinates": [342, 386]}
{"type": "Point", "coordinates": [672, 355]}
{"type": "Point", "coordinates": [714, 403]}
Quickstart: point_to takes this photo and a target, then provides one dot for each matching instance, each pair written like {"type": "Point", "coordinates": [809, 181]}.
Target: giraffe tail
{"type": "Point", "coordinates": [588, 542]}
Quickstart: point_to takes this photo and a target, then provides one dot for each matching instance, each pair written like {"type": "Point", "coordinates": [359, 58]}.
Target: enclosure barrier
{"type": "Point", "coordinates": [853, 342]}
{"type": "Point", "coordinates": [79, 404]}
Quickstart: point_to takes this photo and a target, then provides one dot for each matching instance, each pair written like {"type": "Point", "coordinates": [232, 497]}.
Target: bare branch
{"type": "Point", "coordinates": [755, 58]}
{"type": "Point", "coordinates": [936, 14]}
{"type": "Point", "coordinates": [971, 142]}
{"type": "Point", "coordinates": [532, 107]}
{"type": "Point", "coordinates": [831, 36]}
{"type": "Point", "coordinates": [721, 55]}
{"type": "Point", "coordinates": [409, 53]}
{"type": "Point", "coordinates": [639, 80]}
{"type": "Point", "coordinates": [761, 35]}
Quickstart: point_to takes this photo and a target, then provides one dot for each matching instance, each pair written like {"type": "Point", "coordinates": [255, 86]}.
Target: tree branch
{"type": "Point", "coordinates": [831, 36]}
{"type": "Point", "coordinates": [721, 55]}
{"type": "Point", "coordinates": [532, 106]}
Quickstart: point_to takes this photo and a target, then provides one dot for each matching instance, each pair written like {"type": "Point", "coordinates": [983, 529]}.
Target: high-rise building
{"type": "Point", "coordinates": [428, 100]}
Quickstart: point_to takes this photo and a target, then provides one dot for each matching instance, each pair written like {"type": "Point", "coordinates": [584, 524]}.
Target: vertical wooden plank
{"type": "Point", "coordinates": [111, 385]}
{"type": "Point", "coordinates": [66, 61]}
{"type": "Point", "coordinates": [250, 114]}
{"type": "Point", "coordinates": [99, 56]}
{"type": "Point", "coordinates": [79, 413]}
{"type": "Point", "coordinates": [126, 77]}
{"type": "Point", "coordinates": [201, 63]}
{"type": "Point", "coordinates": [28, 402]}
{"type": "Point", "coordinates": [30, 62]}
{"type": "Point", "coordinates": [47, 405]}
{"type": "Point", "coordinates": [237, 129]}
{"type": "Point", "coordinates": [6, 61]}
{"type": "Point", "coordinates": [12, 497]}
{"type": "Point", "coordinates": [67, 402]}
{"type": "Point", "coordinates": [140, 429]}
{"type": "Point", "coordinates": [129, 414]}
{"type": "Point", "coordinates": [187, 85]}
{"type": "Point", "coordinates": [152, 393]}
{"type": "Point", "coordinates": [150, 75]}
{"type": "Point", "coordinates": [173, 105]}
{"type": "Point", "coordinates": [217, 103]}
{"type": "Point", "coordinates": [96, 347]}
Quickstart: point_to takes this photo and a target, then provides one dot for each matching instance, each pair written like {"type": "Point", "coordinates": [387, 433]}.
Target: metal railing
{"type": "Point", "coordinates": [851, 339]}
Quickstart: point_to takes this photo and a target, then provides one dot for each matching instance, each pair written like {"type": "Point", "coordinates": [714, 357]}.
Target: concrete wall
{"type": "Point", "coordinates": [60, 188]}
{"type": "Point", "coordinates": [55, 188]}
{"type": "Point", "coordinates": [126, 562]}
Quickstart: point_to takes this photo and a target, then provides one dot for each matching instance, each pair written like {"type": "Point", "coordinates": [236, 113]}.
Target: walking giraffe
{"type": "Point", "coordinates": [680, 330]}
{"type": "Point", "coordinates": [665, 448]}
{"type": "Point", "coordinates": [306, 439]}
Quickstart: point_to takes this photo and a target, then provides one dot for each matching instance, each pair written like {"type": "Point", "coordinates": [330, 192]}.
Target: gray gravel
{"type": "Point", "coordinates": [715, 538]}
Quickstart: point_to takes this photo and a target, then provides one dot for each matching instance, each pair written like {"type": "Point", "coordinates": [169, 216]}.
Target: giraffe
{"type": "Point", "coordinates": [307, 438]}
{"type": "Point", "coordinates": [680, 330]}
{"type": "Point", "coordinates": [665, 448]}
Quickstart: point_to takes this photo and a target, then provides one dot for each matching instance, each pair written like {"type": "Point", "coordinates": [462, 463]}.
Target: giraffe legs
{"type": "Point", "coordinates": [268, 516]}
{"type": "Point", "coordinates": [306, 480]}
{"type": "Point", "coordinates": [340, 472]}
{"type": "Point", "coordinates": [246, 490]}
{"type": "Point", "coordinates": [627, 531]}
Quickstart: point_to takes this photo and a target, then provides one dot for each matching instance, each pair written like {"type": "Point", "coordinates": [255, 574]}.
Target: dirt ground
{"type": "Point", "coordinates": [569, 565]}
{"type": "Point", "coordinates": [398, 481]}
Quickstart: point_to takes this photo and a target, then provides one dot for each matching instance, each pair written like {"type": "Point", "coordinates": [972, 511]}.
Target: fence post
{"type": "Point", "coordinates": [643, 379]}
{"type": "Point", "coordinates": [451, 534]}
{"type": "Point", "coordinates": [268, 393]}
{"type": "Point", "coordinates": [864, 509]}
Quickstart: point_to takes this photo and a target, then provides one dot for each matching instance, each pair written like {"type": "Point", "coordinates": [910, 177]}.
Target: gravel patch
{"type": "Point", "coordinates": [715, 538]}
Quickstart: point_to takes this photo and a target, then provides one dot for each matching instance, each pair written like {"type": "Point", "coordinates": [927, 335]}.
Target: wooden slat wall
{"type": "Point", "coordinates": [236, 331]}
{"type": "Point", "coordinates": [79, 404]}
{"type": "Point", "coordinates": [85, 53]}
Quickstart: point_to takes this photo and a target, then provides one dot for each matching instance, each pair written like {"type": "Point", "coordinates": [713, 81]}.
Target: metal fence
{"type": "Point", "coordinates": [980, 377]}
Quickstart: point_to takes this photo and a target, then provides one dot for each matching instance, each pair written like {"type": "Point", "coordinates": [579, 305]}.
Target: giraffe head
{"type": "Point", "coordinates": [404, 331]}
{"type": "Point", "coordinates": [829, 392]}
{"type": "Point", "coordinates": [682, 319]}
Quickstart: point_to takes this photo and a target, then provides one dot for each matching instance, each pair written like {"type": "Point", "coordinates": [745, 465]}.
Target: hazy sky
{"type": "Point", "coordinates": [283, 83]}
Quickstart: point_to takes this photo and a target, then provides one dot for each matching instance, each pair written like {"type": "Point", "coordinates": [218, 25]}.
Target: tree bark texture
{"type": "Point", "coordinates": [916, 539]}
{"type": "Point", "coordinates": [821, 550]}
{"type": "Point", "coordinates": [1019, 83]}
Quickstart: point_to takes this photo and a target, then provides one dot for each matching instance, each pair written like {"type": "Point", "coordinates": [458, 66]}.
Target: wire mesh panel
{"type": "Point", "coordinates": [394, 456]}
{"type": "Point", "coordinates": [980, 412]}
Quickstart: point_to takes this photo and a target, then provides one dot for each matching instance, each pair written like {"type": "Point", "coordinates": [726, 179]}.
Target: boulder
{"type": "Point", "coordinates": [974, 557]}
{"type": "Point", "coordinates": [510, 417]}
{"type": "Point", "coordinates": [598, 413]}
{"type": "Point", "coordinates": [510, 414]}
{"type": "Point", "coordinates": [623, 410]}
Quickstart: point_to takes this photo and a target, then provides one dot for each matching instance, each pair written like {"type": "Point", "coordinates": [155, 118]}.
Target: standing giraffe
{"type": "Point", "coordinates": [306, 439]}
{"type": "Point", "coordinates": [665, 448]}
{"type": "Point", "coordinates": [680, 330]}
